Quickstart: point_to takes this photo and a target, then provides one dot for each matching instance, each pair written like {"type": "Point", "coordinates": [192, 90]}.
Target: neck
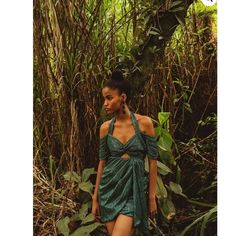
{"type": "Point", "coordinates": [120, 116]}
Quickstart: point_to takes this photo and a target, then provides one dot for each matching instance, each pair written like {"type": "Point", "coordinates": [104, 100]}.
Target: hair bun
{"type": "Point", "coordinates": [117, 75]}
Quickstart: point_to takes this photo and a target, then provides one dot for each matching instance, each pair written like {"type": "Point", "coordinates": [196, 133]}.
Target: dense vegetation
{"type": "Point", "coordinates": [167, 49]}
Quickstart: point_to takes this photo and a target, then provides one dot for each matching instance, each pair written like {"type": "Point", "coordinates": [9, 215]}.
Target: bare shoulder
{"type": "Point", "coordinates": [145, 124]}
{"type": "Point", "coordinates": [104, 128]}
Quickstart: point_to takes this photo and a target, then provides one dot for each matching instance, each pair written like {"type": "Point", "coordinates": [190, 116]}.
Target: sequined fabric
{"type": "Point", "coordinates": [123, 182]}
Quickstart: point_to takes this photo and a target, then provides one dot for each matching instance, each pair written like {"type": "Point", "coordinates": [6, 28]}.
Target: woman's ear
{"type": "Point", "coordinates": [124, 96]}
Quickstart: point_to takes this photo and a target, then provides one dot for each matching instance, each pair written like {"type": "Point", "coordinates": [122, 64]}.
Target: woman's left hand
{"type": "Point", "coordinates": [152, 207]}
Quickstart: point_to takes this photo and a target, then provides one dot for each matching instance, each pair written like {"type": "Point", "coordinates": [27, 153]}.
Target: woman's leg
{"type": "Point", "coordinates": [123, 226]}
{"type": "Point", "coordinates": [110, 225]}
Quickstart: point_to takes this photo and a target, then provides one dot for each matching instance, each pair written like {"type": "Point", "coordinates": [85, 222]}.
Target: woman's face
{"type": "Point", "coordinates": [112, 99]}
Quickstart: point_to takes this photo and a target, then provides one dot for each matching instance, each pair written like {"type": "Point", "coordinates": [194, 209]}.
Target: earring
{"type": "Point", "coordinates": [123, 107]}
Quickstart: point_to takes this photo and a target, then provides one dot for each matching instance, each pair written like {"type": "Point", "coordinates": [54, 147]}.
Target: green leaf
{"type": "Point", "coordinates": [181, 22]}
{"type": "Point", "coordinates": [165, 141]}
{"type": "Point", "coordinates": [163, 169]}
{"type": "Point", "coordinates": [163, 117]}
{"type": "Point", "coordinates": [197, 220]}
{"type": "Point", "coordinates": [76, 217]}
{"type": "Point", "coordinates": [89, 218]}
{"type": "Point", "coordinates": [206, 220]}
{"type": "Point", "coordinates": [86, 173]}
{"type": "Point", "coordinates": [146, 164]}
{"type": "Point", "coordinates": [86, 186]}
{"type": "Point", "coordinates": [153, 32]}
{"type": "Point", "coordinates": [62, 226]}
{"type": "Point", "coordinates": [178, 9]}
{"type": "Point", "coordinates": [166, 156]}
{"type": "Point", "coordinates": [176, 188]}
{"type": "Point", "coordinates": [161, 190]}
{"type": "Point", "coordinates": [176, 3]}
{"type": "Point", "coordinates": [83, 211]}
{"type": "Point", "coordinates": [167, 208]}
{"type": "Point", "coordinates": [158, 130]}
{"type": "Point", "coordinates": [86, 230]}
{"type": "Point", "coordinates": [72, 176]}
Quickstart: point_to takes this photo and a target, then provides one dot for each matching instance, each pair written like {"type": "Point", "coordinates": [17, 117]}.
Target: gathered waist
{"type": "Point", "coordinates": [128, 157]}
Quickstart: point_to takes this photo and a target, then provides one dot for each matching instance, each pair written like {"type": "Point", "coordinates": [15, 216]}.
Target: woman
{"type": "Point", "coordinates": [119, 198]}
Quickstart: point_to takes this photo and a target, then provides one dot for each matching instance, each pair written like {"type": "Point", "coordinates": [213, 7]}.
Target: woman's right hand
{"type": "Point", "coordinates": [96, 210]}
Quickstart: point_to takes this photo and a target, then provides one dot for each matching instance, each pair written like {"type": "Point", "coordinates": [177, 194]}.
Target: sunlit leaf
{"type": "Point", "coordinates": [167, 208]}
{"type": "Point", "coordinates": [86, 186]}
{"type": "Point", "coordinates": [86, 173]}
{"type": "Point", "coordinates": [163, 117]}
{"type": "Point", "coordinates": [161, 190]}
{"type": "Point", "coordinates": [176, 188]}
{"type": "Point", "coordinates": [83, 211]}
{"type": "Point", "coordinates": [72, 176]}
{"type": "Point", "coordinates": [62, 226]}
{"type": "Point", "coordinates": [89, 218]}
{"type": "Point", "coordinates": [163, 169]}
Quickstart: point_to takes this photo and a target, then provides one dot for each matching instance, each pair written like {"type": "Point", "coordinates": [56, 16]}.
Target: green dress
{"type": "Point", "coordinates": [123, 185]}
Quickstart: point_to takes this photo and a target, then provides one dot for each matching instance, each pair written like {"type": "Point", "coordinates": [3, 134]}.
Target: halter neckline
{"type": "Point", "coordinates": [135, 124]}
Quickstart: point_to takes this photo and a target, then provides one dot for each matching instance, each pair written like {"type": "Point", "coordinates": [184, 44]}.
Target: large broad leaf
{"type": "Point", "coordinates": [166, 156]}
{"type": "Point", "coordinates": [176, 188]}
{"type": "Point", "coordinates": [165, 141]}
{"type": "Point", "coordinates": [76, 217]}
{"type": "Point", "coordinates": [163, 117]}
{"type": "Point", "coordinates": [83, 211]}
{"type": "Point", "coordinates": [89, 218]}
{"type": "Point", "coordinates": [86, 173]}
{"type": "Point", "coordinates": [161, 190]}
{"type": "Point", "coordinates": [72, 176]}
{"type": "Point", "coordinates": [167, 208]}
{"type": "Point", "coordinates": [86, 230]}
{"type": "Point", "coordinates": [158, 130]}
{"type": "Point", "coordinates": [163, 169]}
{"type": "Point", "coordinates": [86, 186]}
{"type": "Point", "coordinates": [62, 226]}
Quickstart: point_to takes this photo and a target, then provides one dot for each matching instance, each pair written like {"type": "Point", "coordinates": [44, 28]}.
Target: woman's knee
{"type": "Point", "coordinates": [110, 226]}
{"type": "Point", "coordinates": [123, 226]}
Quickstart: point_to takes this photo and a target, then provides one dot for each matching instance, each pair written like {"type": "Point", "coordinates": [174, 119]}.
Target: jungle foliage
{"type": "Point", "coordinates": [167, 49]}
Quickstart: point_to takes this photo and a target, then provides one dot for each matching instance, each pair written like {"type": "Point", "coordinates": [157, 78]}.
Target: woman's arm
{"type": "Point", "coordinates": [103, 155]}
{"type": "Point", "coordinates": [99, 175]}
{"type": "Point", "coordinates": [152, 161]}
{"type": "Point", "coordinates": [152, 179]}
{"type": "Point", "coordinates": [103, 131]}
{"type": "Point", "coordinates": [95, 205]}
{"type": "Point", "coordinates": [152, 204]}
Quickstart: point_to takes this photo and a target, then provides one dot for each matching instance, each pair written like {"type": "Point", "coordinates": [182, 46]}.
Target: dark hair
{"type": "Point", "coordinates": [117, 81]}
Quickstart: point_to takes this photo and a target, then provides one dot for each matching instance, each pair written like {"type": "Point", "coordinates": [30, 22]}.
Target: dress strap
{"type": "Point", "coordinates": [111, 125]}
{"type": "Point", "coordinates": [133, 119]}
{"type": "Point", "coordinates": [135, 122]}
